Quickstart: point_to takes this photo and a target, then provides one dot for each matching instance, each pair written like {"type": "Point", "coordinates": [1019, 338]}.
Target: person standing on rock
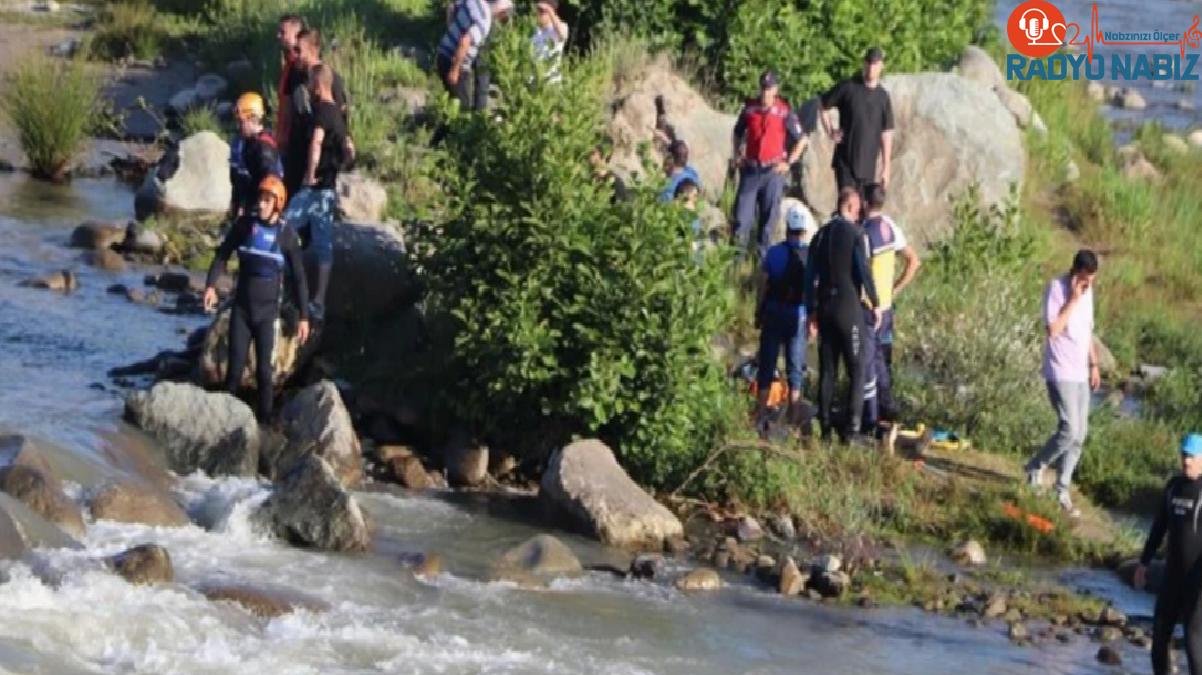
{"type": "Point", "coordinates": [1180, 598]}
{"type": "Point", "coordinates": [865, 130]}
{"type": "Point", "coordinates": [838, 278]}
{"type": "Point", "coordinates": [768, 140]}
{"type": "Point", "coordinates": [253, 155]}
{"type": "Point", "coordinates": [302, 100]}
{"type": "Point", "coordinates": [885, 241]}
{"type": "Point", "coordinates": [314, 209]}
{"type": "Point", "coordinates": [781, 314]}
{"type": "Point", "coordinates": [458, 60]}
{"type": "Point", "coordinates": [265, 246]}
{"type": "Point", "coordinates": [289, 27]}
{"type": "Point", "coordinates": [678, 169]}
{"type": "Point", "coordinates": [1070, 367]}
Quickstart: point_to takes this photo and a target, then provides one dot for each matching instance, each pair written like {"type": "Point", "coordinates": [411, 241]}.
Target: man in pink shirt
{"type": "Point", "coordinates": [1070, 366]}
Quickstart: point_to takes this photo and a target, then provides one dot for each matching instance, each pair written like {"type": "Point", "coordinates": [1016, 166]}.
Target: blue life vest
{"type": "Point", "coordinates": [238, 164]}
{"type": "Point", "coordinates": [260, 256]}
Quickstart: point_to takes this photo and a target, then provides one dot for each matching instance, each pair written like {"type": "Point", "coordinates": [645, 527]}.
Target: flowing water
{"type": "Point", "coordinates": [61, 612]}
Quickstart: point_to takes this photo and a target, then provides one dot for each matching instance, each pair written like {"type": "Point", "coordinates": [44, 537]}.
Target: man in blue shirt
{"type": "Point", "coordinates": [678, 169]}
{"type": "Point", "coordinates": [781, 312]}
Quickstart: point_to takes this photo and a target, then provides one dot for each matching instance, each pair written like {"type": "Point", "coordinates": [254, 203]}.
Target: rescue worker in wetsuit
{"type": "Point", "coordinates": [1179, 598]}
{"type": "Point", "coordinates": [253, 155]}
{"type": "Point", "coordinates": [266, 246]}
{"type": "Point", "coordinates": [837, 278]}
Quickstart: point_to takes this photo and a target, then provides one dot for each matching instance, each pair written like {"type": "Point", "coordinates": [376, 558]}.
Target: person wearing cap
{"type": "Point", "coordinates": [253, 155]}
{"type": "Point", "coordinates": [677, 166]}
{"type": "Point", "coordinates": [865, 131]}
{"type": "Point", "coordinates": [781, 312]}
{"type": "Point", "coordinates": [458, 60]}
{"type": "Point", "coordinates": [1070, 367]}
{"type": "Point", "coordinates": [1180, 598]}
{"type": "Point", "coordinates": [768, 140]}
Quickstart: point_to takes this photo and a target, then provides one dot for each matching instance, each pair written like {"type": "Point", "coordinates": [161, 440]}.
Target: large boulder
{"type": "Point", "coordinates": [206, 431]}
{"type": "Point", "coordinates": [130, 503]}
{"type": "Point", "coordinates": [310, 508]}
{"type": "Point", "coordinates": [950, 132]}
{"type": "Point", "coordinates": [263, 601]}
{"type": "Point", "coordinates": [361, 199]}
{"type": "Point", "coordinates": [143, 565]}
{"type": "Point", "coordinates": [316, 422]}
{"type": "Point", "coordinates": [287, 356]}
{"type": "Point", "coordinates": [466, 461]}
{"type": "Point", "coordinates": [977, 65]}
{"type": "Point", "coordinates": [22, 530]}
{"type": "Point", "coordinates": [536, 562]}
{"type": "Point", "coordinates": [370, 277]}
{"type": "Point", "coordinates": [93, 235]}
{"type": "Point", "coordinates": [192, 177]}
{"type": "Point", "coordinates": [707, 131]}
{"type": "Point", "coordinates": [43, 493]}
{"type": "Point", "coordinates": [584, 482]}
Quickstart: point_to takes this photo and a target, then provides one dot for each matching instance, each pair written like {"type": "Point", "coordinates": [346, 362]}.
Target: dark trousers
{"type": "Point", "coordinates": [242, 330]}
{"type": "Point", "coordinates": [845, 176]}
{"type": "Point", "coordinates": [472, 88]}
{"type": "Point", "coordinates": [842, 337]}
{"type": "Point", "coordinates": [757, 206]}
{"type": "Point", "coordinates": [878, 370]}
{"type": "Point", "coordinates": [1178, 602]}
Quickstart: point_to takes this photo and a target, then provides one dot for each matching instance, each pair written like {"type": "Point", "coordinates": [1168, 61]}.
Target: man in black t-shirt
{"type": "Point", "coordinates": [865, 126]}
{"type": "Point", "coordinates": [313, 210]}
{"type": "Point", "coordinates": [300, 108]}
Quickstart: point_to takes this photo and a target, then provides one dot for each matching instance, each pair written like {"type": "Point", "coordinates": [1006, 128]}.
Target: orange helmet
{"type": "Point", "coordinates": [249, 104]}
{"type": "Point", "coordinates": [273, 186]}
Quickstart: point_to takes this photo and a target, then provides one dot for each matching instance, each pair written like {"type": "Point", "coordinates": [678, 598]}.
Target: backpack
{"type": "Point", "coordinates": [789, 288]}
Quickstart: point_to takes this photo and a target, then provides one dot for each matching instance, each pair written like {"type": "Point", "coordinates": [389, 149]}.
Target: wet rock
{"type": "Point", "coordinates": [792, 581]}
{"type": "Point", "coordinates": [1109, 616]}
{"type": "Point", "coordinates": [781, 525]}
{"type": "Point", "coordinates": [828, 564]}
{"type": "Point", "coordinates": [1137, 167]}
{"type": "Point", "coordinates": [192, 177]}
{"type": "Point", "coordinates": [970, 553]}
{"type": "Point", "coordinates": [207, 431]}
{"type": "Point", "coordinates": [584, 482]}
{"type": "Point", "coordinates": [106, 259]}
{"type": "Point", "coordinates": [830, 584]}
{"type": "Point", "coordinates": [409, 472]}
{"type": "Point", "coordinates": [995, 606]}
{"type": "Point", "coordinates": [93, 235]}
{"type": "Point", "coordinates": [1195, 138]}
{"type": "Point", "coordinates": [145, 564]}
{"type": "Point", "coordinates": [1018, 632]}
{"type": "Point", "coordinates": [22, 530]}
{"type": "Point", "coordinates": [361, 199]}
{"type": "Point", "coordinates": [373, 278]}
{"type": "Point", "coordinates": [266, 603]}
{"type": "Point", "coordinates": [749, 529]}
{"type": "Point", "coordinates": [703, 579]}
{"type": "Point", "coordinates": [977, 65]}
{"type": "Point", "coordinates": [177, 282]}
{"type": "Point", "coordinates": [536, 562]}
{"type": "Point", "coordinates": [1108, 634]}
{"type": "Point", "coordinates": [210, 86]}
{"type": "Point", "coordinates": [129, 503]}
{"type": "Point", "coordinates": [1109, 656]}
{"type": "Point", "coordinates": [310, 508]}
{"type": "Point", "coordinates": [429, 567]}
{"type": "Point", "coordinates": [183, 100]}
{"type": "Point", "coordinates": [1176, 144]}
{"type": "Point", "coordinates": [42, 492]}
{"type": "Point", "coordinates": [316, 422]}
{"type": "Point", "coordinates": [1129, 99]}
{"type": "Point", "coordinates": [765, 569]}
{"type": "Point", "coordinates": [287, 357]}
{"type": "Point", "coordinates": [387, 452]}
{"type": "Point", "coordinates": [647, 566]}
{"type": "Point", "coordinates": [501, 464]}
{"type": "Point", "coordinates": [466, 461]}
{"type": "Point", "coordinates": [64, 281]}
{"type": "Point", "coordinates": [142, 240]}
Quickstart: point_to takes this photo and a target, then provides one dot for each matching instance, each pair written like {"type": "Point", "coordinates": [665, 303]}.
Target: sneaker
{"type": "Point", "coordinates": [1035, 478]}
{"type": "Point", "coordinates": [1066, 504]}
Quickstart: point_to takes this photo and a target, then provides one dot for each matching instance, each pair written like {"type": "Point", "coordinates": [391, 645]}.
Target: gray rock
{"type": "Point", "coordinates": [264, 602]}
{"type": "Point", "coordinates": [316, 422]}
{"type": "Point", "coordinates": [1129, 99]}
{"type": "Point", "coordinates": [1017, 104]}
{"type": "Point", "coordinates": [977, 65]}
{"type": "Point", "coordinates": [287, 356]}
{"type": "Point", "coordinates": [536, 562]}
{"type": "Point", "coordinates": [409, 472]}
{"type": "Point", "coordinates": [1096, 91]}
{"type": "Point", "coordinates": [702, 579]}
{"type": "Point", "coordinates": [209, 87]}
{"type": "Point", "coordinates": [194, 177]}
{"type": "Point", "coordinates": [792, 581]}
{"type": "Point", "coordinates": [1151, 373]}
{"type": "Point", "coordinates": [43, 493]}
{"type": "Point", "coordinates": [782, 526]}
{"type": "Point", "coordinates": [93, 235]}
{"type": "Point", "coordinates": [361, 199]}
{"type": "Point", "coordinates": [142, 240]}
{"type": "Point", "coordinates": [1195, 138]}
{"type": "Point", "coordinates": [647, 566]}
{"type": "Point", "coordinates": [211, 432]}
{"type": "Point", "coordinates": [830, 584]}
{"type": "Point", "coordinates": [130, 503]}
{"type": "Point", "coordinates": [466, 461]}
{"type": "Point", "coordinates": [1175, 144]}
{"type": "Point", "coordinates": [970, 553]}
{"type": "Point", "coordinates": [584, 482]}
{"type": "Point", "coordinates": [951, 132]}
{"type": "Point", "coordinates": [184, 100]}
{"type": "Point", "coordinates": [371, 277]}
{"type": "Point", "coordinates": [995, 606]}
{"type": "Point", "coordinates": [827, 564]}
{"type": "Point", "coordinates": [22, 530]}
{"type": "Point", "coordinates": [310, 508]}
{"type": "Point", "coordinates": [1072, 172]}
{"type": "Point", "coordinates": [1018, 632]}
{"type": "Point", "coordinates": [106, 259]}
{"type": "Point", "coordinates": [1109, 616]}
{"type": "Point", "coordinates": [1109, 656]}
{"type": "Point", "coordinates": [65, 49]}
{"type": "Point", "coordinates": [64, 281]}
{"type": "Point", "coordinates": [145, 564]}
{"type": "Point", "coordinates": [749, 529]}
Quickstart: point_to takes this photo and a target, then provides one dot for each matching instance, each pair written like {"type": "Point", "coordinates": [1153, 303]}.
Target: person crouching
{"type": "Point", "coordinates": [265, 246]}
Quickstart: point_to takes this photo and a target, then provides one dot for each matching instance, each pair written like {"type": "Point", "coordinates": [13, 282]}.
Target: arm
{"type": "Point", "coordinates": [465, 43]}
{"type": "Point", "coordinates": [1057, 310]}
{"type": "Point", "coordinates": [1159, 527]}
{"type": "Point", "coordinates": [796, 138]}
{"type": "Point", "coordinates": [319, 135]}
{"type": "Point", "coordinates": [859, 266]}
{"type": "Point", "coordinates": [829, 100]}
{"type": "Point", "coordinates": [886, 155]}
{"type": "Point", "coordinates": [233, 239]}
{"type": "Point", "coordinates": [912, 263]}
{"type": "Point", "coordinates": [739, 133]}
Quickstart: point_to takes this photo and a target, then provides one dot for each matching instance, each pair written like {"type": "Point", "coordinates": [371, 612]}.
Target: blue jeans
{"type": "Point", "coordinates": [311, 213]}
{"type": "Point", "coordinates": [757, 206]}
{"type": "Point", "coordinates": [782, 329]}
{"type": "Point", "coordinates": [1070, 400]}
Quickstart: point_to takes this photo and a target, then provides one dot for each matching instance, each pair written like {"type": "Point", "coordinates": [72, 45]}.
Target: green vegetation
{"type": "Point", "coordinates": [569, 315]}
{"type": "Point", "coordinates": [200, 119]}
{"type": "Point", "coordinates": [51, 104]}
{"type": "Point", "coordinates": [128, 28]}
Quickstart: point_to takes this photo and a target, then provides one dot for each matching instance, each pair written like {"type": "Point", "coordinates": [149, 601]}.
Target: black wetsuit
{"type": "Point", "coordinates": [264, 251]}
{"type": "Point", "coordinates": [251, 160]}
{"type": "Point", "coordinates": [1178, 602]}
{"type": "Point", "coordinates": [838, 278]}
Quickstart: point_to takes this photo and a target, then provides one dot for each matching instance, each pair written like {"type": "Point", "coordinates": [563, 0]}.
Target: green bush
{"type": "Point", "coordinates": [568, 314]}
{"type": "Point", "coordinates": [200, 119]}
{"type": "Point", "coordinates": [130, 28]}
{"type": "Point", "coordinates": [50, 104]}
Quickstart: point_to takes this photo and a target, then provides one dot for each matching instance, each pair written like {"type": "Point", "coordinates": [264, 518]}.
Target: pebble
{"type": "Point", "coordinates": [1109, 656]}
{"type": "Point", "coordinates": [995, 606]}
{"type": "Point", "coordinates": [970, 553]}
{"type": "Point", "coordinates": [1018, 632]}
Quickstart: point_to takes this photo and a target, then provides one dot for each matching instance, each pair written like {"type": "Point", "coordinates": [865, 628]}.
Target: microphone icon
{"type": "Point", "coordinates": [1034, 26]}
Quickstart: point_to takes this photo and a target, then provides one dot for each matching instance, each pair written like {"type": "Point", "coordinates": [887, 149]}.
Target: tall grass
{"type": "Point", "coordinates": [201, 119]}
{"type": "Point", "coordinates": [128, 28]}
{"type": "Point", "coordinates": [50, 103]}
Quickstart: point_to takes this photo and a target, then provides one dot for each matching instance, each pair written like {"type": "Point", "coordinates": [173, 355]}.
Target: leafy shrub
{"type": "Point", "coordinates": [200, 119]}
{"type": "Point", "coordinates": [567, 314]}
{"type": "Point", "coordinates": [50, 103]}
{"type": "Point", "coordinates": [129, 28]}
